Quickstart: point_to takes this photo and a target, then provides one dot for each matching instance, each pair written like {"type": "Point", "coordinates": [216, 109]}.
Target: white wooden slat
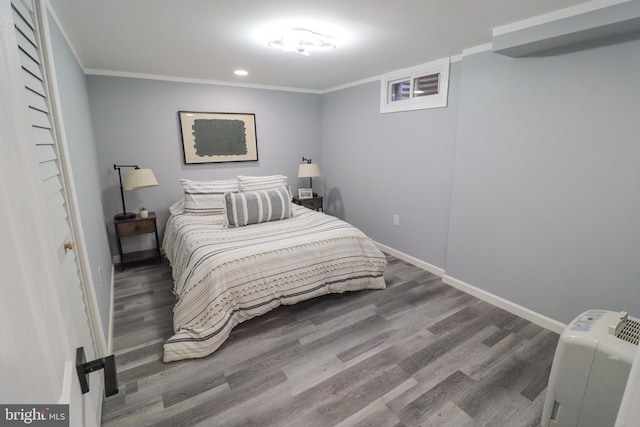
{"type": "Point", "coordinates": [42, 136]}
{"type": "Point", "coordinates": [54, 202]}
{"type": "Point", "coordinates": [60, 228]}
{"type": "Point", "coordinates": [22, 15]}
{"type": "Point", "coordinates": [31, 82]}
{"type": "Point", "coordinates": [45, 153]}
{"type": "Point", "coordinates": [36, 101]}
{"type": "Point", "coordinates": [58, 219]}
{"type": "Point", "coordinates": [61, 231]}
{"type": "Point", "coordinates": [48, 169]}
{"type": "Point", "coordinates": [24, 8]}
{"type": "Point", "coordinates": [39, 118]}
{"type": "Point", "coordinates": [52, 185]}
{"type": "Point", "coordinates": [26, 45]}
{"type": "Point", "coordinates": [23, 26]}
{"type": "Point", "coordinates": [70, 269]}
{"type": "Point", "coordinates": [60, 234]}
{"type": "Point", "coordinates": [29, 64]}
{"type": "Point", "coordinates": [28, 4]}
{"type": "Point", "coordinates": [20, 7]}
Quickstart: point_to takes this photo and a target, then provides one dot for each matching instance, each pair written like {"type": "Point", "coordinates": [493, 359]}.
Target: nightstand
{"type": "Point", "coordinates": [311, 203]}
{"type": "Point", "coordinates": [135, 227]}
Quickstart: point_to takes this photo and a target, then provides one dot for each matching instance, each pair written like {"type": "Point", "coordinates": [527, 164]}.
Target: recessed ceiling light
{"type": "Point", "coordinates": [302, 41]}
{"type": "Point", "coordinates": [241, 72]}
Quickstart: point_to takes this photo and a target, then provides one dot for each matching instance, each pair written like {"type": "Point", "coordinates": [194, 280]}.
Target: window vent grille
{"type": "Point", "coordinates": [426, 85]}
{"type": "Point", "coordinates": [630, 332]}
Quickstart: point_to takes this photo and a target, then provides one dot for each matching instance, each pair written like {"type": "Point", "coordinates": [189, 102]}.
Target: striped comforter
{"type": "Point", "coordinates": [224, 276]}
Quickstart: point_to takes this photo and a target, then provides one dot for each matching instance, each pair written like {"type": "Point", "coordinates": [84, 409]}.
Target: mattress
{"type": "Point", "coordinates": [225, 276]}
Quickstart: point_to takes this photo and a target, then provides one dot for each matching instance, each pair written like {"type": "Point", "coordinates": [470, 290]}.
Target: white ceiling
{"type": "Point", "coordinates": [209, 39]}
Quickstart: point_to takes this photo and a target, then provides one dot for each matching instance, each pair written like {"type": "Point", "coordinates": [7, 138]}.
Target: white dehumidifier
{"type": "Point", "coordinates": [590, 370]}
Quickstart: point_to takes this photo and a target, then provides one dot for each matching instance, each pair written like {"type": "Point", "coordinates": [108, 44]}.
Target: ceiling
{"type": "Point", "coordinates": [209, 39]}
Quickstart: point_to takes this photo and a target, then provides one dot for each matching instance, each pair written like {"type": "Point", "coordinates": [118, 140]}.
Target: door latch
{"type": "Point", "coordinates": [84, 368]}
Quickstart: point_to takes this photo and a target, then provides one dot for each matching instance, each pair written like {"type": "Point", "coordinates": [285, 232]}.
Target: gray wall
{"type": "Point", "coordinates": [543, 156]}
{"type": "Point", "coordinates": [377, 165]}
{"type": "Point", "coordinates": [84, 167]}
{"type": "Point", "coordinates": [546, 200]}
{"type": "Point", "coordinates": [136, 122]}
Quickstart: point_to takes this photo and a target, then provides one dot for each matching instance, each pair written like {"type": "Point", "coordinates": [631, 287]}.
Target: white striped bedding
{"type": "Point", "coordinates": [224, 276]}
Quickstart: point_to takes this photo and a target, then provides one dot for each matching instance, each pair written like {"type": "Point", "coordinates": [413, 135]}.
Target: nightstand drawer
{"type": "Point", "coordinates": [315, 203]}
{"type": "Point", "coordinates": [310, 203]}
{"type": "Point", "coordinates": [136, 227]}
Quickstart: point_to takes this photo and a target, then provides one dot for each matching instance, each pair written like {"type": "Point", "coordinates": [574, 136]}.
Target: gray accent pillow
{"type": "Point", "coordinates": [253, 207]}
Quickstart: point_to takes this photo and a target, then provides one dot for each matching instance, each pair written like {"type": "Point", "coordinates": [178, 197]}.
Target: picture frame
{"type": "Point", "coordinates": [218, 137]}
{"type": "Point", "coordinates": [305, 193]}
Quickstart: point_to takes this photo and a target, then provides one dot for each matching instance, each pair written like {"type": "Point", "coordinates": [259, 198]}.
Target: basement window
{"type": "Point", "coordinates": [416, 88]}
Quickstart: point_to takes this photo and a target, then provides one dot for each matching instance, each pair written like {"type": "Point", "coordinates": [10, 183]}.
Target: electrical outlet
{"type": "Point", "coordinates": [396, 219]}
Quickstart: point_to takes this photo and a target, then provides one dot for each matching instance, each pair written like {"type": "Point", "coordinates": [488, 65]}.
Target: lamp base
{"type": "Point", "coordinates": [126, 215]}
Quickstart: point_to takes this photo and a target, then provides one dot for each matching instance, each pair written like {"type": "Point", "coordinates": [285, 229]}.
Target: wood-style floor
{"type": "Point", "coordinates": [419, 353]}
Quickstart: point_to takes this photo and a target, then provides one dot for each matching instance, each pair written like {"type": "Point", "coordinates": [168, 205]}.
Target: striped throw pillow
{"type": "Point", "coordinates": [253, 207]}
{"type": "Point", "coordinates": [206, 196]}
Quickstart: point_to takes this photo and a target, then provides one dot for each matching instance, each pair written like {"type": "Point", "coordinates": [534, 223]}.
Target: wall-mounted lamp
{"type": "Point", "coordinates": [308, 170]}
{"type": "Point", "coordinates": [133, 180]}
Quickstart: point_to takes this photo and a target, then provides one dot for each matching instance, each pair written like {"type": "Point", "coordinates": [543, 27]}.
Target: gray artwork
{"type": "Point", "coordinates": [214, 137]}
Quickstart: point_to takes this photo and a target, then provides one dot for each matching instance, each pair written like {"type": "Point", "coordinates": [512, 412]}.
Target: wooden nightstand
{"type": "Point", "coordinates": [135, 227]}
{"type": "Point", "coordinates": [311, 203]}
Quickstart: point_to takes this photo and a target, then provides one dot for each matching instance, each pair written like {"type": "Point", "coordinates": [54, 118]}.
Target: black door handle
{"type": "Point", "coordinates": [84, 368]}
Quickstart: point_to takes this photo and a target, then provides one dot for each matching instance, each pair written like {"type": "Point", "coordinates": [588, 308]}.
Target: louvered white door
{"type": "Point", "coordinates": [43, 137]}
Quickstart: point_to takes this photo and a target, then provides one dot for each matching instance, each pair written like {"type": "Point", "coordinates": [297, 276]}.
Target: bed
{"type": "Point", "coordinates": [225, 274]}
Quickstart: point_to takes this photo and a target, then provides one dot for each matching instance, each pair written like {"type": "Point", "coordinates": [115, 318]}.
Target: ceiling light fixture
{"type": "Point", "coordinates": [241, 72]}
{"type": "Point", "coordinates": [302, 41]}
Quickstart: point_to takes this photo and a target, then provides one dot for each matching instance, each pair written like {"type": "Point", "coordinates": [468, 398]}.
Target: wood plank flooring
{"type": "Point", "coordinates": [419, 353]}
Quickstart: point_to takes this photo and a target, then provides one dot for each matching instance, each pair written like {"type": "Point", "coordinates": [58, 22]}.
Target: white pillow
{"type": "Point", "coordinates": [177, 208]}
{"type": "Point", "coordinates": [255, 183]}
{"type": "Point", "coordinates": [206, 196]}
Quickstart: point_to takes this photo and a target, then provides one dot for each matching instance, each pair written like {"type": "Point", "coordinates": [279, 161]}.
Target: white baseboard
{"type": "Point", "coordinates": [510, 306]}
{"type": "Point", "coordinates": [411, 260]}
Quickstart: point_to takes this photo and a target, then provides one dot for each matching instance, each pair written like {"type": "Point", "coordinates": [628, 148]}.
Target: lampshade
{"type": "Point", "coordinates": [138, 178]}
{"type": "Point", "coordinates": [308, 170]}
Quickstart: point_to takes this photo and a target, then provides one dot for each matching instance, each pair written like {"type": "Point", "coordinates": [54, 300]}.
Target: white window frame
{"type": "Point", "coordinates": [439, 100]}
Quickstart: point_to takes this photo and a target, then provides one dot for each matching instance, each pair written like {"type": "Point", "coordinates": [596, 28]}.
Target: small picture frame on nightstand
{"type": "Point", "coordinates": [305, 193]}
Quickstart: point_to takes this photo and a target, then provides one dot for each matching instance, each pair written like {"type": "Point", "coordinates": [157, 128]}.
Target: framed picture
{"type": "Point", "coordinates": [218, 137]}
{"type": "Point", "coordinates": [305, 193]}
